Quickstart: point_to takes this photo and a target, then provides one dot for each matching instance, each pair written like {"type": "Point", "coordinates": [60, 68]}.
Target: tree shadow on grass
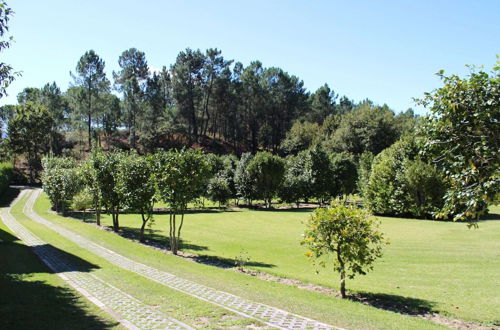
{"type": "Point", "coordinates": [226, 263]}
{"type": "Point", "coordinates": [28, 303]}
{"type": "Point", "coordinates": [490, 217]}
{"type": "Point", "coordinates": [155, 239]}
{"type": "Point", "coordinates": [395, 303]}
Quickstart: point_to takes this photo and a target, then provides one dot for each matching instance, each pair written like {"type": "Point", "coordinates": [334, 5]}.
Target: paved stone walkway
{"type": "Point", "coordinates": [271, 316]}
{"type": "Point", "coordinates": [130, 312]}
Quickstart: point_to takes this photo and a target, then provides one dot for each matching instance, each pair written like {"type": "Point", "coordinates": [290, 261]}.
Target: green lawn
{"type": "Point", "coordinates": [32, 297]}
{"type": "Point", "coordinates": [442, 266]}
{"type": "Point", "coordinates": [321, 307]}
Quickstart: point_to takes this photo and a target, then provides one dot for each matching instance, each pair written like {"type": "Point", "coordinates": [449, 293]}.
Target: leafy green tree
{"type": "Point", "coordinates": [61, 181]}
{"type": "Point", "coordinates": [6, 74]}
{"type": "Point", "coordinates": [107, 169]}
{"type": "Point", "coordinates": [91, 77]}
{"type": "Point", "coordinates": [298, 179]}
{"type": "Point", "coordinates": [186, 81]}
{"type": "Point", "coordinates": [131, 82]}
{"type": "Point", "coordinates": [322, 175]}
{"type": "Point", "coordinates": [136, 186]}
{"type": "Point", "coordinates": [347, 233]}
{"type": "Point", "coordinates": [462, 137]}
{"type": "Point", "coordinates": [111, 116]}
{"type": "Point", "coordinates": [89, 177]}
{"type": "Point", "coordinates": [219, 189]}
{"type": "Point", "coordinates": [322, 104]}
{"type": "Point", "coordinates": [159, 106]}
{"type": "Point", "coordinates": [245, 184]}
{"type": "Point", "coordinates": [29, 133]}
{"type": "Point", "coordinates": [181, 178]}
{"type": "Point", "coordinates": [267, 171]}
{"type": "Point", "coordinates": [366, 128]}
{"type": "Point", "coordinates": [401, 184]}
{"type": "Point", "coordinates": [345, 174]}
{"type": "Point", "coordinates": [364, 170]}
{"type": "Point", "coordinates": [300, 137]}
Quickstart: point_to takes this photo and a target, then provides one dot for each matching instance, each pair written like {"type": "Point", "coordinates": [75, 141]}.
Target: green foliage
{"type": "Point", "coordinates": [366, 128]}
{"type": "Point", "coordinates": [402, 184]}
{"type": "Point", "coordinates": [181, 177]}
{"type": "Point", "coordinates": [105, 176]}
{"type": "Point", "coordinates": [345, 174]}
{"type": "Point", "coordinates": [462, 137]}
{"type": "Point", "coordinates": [136, 186]}
{"type": "Point", "coordinates": [298, 179]}
{"type": "Point", "coordinates": [347, 233]}
{"type": "Point", "coordinates": [6, 74]}
{"type": "Point", "coordinates": [300, 137]}
{"type": "Point", "coordinates": [91, 79]}
{"type": "Point", "coordinates": [61, 181]}
{"type": "Point", "coordinates": [323, 179]}
{"type": "Point", "coordinates": [219, 189]}
{"type": "Point", "coordinates": [245, 185]}
{"type": "Point", "coordinates": [82, 201]}
{"type": "Point", "coordinates": [364, 171]}
{"type": "Point", "coordinates": [267, 172]}
{"type": "Point", "coordinates": [29, 132]}
{"type": "Point", "coordinates": [5, 176]}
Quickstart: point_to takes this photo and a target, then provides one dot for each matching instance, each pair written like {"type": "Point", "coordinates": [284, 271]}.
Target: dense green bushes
{"type": "Point", "coordinates": [5, 176]}
{"type": "Point", "coordinates": [402, 184]}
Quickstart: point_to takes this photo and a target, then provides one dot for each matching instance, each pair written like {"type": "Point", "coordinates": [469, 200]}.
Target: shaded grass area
{"type": "Point", "coordinates": [344, 313]}
{"type": "Point", "coordinates": [185, 308]}
{"type": "Point", "coordinates": [32, 297]}
{"type": "Point", "coordinates": [429, 265]}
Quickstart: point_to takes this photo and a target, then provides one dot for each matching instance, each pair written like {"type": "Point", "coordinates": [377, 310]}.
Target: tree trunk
{"type": "Point", "coordinates": [179, 231]}
{"type": "Point", "coordinates": [342, 274]}
{"type": "Point", "coordinates": [116, 225]}
{"type": "Point", "coordinates": [98, 216]}
{"type": "Point", "coordinates": [144, 220]}
{"type": "Point", "coordinates": [174, 239]}
{"type": "Point", "coordinates": [342, 284]}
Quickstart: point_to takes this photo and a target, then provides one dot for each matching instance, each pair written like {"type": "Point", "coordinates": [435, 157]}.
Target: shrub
{"type": "Point", "coordinates": [267, 171]}
{"type": "Point", "coordinates": [401, 184]}
{"type": "Point", "coordinates": [349, 234]}
{"type": "Point", "coordinates": [61, 181]}
{"type": "Point", "coordinates": [5, 176]}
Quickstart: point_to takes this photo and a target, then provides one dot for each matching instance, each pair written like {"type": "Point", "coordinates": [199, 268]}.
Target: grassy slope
{"type": "Point", "coordinates": [34, 298]}
{"type": "Point", "coordinates": [200, 314]}
{"type": "Point", "coordinates": [342, 313]}
{"type": "Point", "coordinates": [442, 266]}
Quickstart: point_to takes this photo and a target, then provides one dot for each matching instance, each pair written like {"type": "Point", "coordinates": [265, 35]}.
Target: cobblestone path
{"type": "Point", "coordinates": [127, 310]}
{"type": "Point", "coordinates": [271, 316]}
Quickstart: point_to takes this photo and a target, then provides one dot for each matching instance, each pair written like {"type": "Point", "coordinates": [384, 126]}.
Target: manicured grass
{"type": "Point", "coordinates": [180, 306]}
{"type": "Point", "coordinates": [32, 297]}
{"type": "Point", "coordinates": [321, 307]}
{"type": "Point", "coordinates": [429, 265]}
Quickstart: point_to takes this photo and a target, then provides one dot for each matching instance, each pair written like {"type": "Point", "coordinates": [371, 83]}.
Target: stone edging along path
{"type": "Point", "coordinates": [271, 316]}
{"type": "Point", "coordinates": [127, 310]}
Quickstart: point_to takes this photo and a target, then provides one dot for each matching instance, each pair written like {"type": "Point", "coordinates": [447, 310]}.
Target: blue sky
{"type": "Point", "coordinates": [387, 51]}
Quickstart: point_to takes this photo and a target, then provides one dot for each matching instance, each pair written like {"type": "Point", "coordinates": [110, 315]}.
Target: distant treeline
{"type": "Point", "coordinates": [204, 99]}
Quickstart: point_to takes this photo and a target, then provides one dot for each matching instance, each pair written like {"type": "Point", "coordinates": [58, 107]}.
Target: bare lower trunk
{"type": "Point", "coordinates": [98, 216]}
{"type": "Point", "coordinates": [342, 275]}
{"type": "Point", "coordinates": [144, 221]}
{"type": "Point", "coordinates": [116, 225]}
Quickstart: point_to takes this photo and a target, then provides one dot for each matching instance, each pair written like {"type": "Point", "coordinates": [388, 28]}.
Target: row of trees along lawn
{"type": "Point", "coordinates": [125, 181]}
{"type": "Point", "coordinates": [202, 98]}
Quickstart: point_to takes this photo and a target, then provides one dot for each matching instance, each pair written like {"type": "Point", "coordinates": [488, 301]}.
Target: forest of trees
{"type": "Point", "coordinates": [202, 100]}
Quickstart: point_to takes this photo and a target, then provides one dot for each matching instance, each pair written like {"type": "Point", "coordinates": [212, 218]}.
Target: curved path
{"type": "Point", "coordinates": [127, 310]}
{"type": "Point", "coordinates": [271, 316]}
